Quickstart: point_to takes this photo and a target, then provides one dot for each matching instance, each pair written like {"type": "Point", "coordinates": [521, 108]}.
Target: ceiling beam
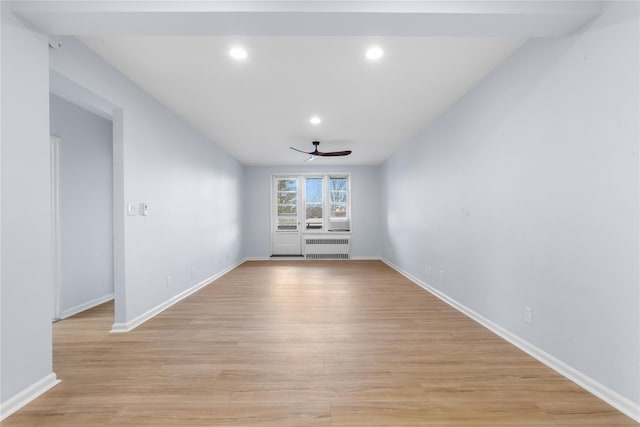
{"type": "Point", "coordinates": [308, 18]}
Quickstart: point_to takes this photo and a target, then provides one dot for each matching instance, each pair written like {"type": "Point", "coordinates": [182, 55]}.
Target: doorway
{"type": "Point", "coordinates": [82, 207]}
{"type": "Point", "coordinates": [285, 236]}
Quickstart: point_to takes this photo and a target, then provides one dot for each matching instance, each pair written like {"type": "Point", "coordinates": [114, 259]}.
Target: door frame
{"type": "Point", "coordinates": [56, 226]}
{"type": "Point", "coordinates": [273, 217]}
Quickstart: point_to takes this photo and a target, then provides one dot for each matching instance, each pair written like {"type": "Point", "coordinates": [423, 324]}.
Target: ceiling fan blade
{"type": "Point", "coordinates": [315, 152]}
{"type": "Point", "coordinates": [334, 153]}
{"type": "Point", "coordinates": [305, 152]}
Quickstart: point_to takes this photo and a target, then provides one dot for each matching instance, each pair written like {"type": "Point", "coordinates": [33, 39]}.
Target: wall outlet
{"type": "Point", "coordinates": [132, 209]}
{"type": "Point", "coordinates": [528, 314]}
{"type": "Point", "coordinates": [168, 281]}
{"type": "Point", "coordinates": [428, 269]}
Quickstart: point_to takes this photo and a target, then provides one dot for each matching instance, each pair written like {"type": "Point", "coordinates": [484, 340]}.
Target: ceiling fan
{"type": "Point", "coordinates": [315, 153]}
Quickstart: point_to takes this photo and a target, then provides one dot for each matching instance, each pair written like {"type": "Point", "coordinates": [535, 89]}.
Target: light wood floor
{"type": "Point", "coordinates": [304, 344]}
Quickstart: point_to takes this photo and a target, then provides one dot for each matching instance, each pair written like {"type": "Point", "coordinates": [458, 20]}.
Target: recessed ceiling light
{"type": "Point", "coordinates": [315, 120]}
{"type": "Point", "coordinates": [239, 53]}
{"type": "Point", "coordinates": [374, 53]}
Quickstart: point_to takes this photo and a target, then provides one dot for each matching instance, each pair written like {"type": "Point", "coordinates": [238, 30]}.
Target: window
{"type": "Point", "coordinates": [338, 194]}
{"type": "Point", "coordinates": [318, 202]}
{"type": "Point", "coordinates": [313, 204]}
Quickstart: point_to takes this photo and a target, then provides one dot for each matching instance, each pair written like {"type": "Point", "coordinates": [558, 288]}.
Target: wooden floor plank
{"type": "Point", "coordinates": [349, 343]}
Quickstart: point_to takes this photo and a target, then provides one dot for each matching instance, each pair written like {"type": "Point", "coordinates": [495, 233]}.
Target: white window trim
{"type": "Point", "coordinates": [302, 201]}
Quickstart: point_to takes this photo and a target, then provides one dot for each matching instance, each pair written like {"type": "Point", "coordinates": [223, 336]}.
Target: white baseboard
{"type": "Point", "coordinates": [87, 305]}
{"type": "Point", "coordinates": [354, 258]}
{"type": "Point", "coordinates": [132, 324]}
{"type": "Point", "coordinates": [27, 395]}
{"type": "Point", "coordinates": [603, 392]}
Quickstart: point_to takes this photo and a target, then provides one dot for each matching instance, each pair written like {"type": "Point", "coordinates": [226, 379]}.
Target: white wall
{"type": "Point", "coordinates": [193, 190]}
{"type": "Point", "coordinates": [526, 193]}
{"type": "Point", "coordinates": [86, 206]}
{"type": "Point", "coordinates": [26, 295]}
{"type": "Point", "coordinates": [365, 207]}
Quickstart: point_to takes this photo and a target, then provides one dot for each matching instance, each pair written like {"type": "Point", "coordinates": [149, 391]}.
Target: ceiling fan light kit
{"type": "Point", "coordinates": [315, 153]}
{"type": "Point", "coordinates": [315, 120]}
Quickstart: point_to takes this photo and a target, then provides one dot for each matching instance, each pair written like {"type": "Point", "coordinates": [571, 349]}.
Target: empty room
{"type": "Point", "coordinates": [320, 213]}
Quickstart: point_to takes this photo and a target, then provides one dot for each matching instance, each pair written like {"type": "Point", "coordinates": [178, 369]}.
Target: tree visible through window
{"type": "Point", "coordinates": [321, 202]}
{"type": "Point", "coordinates": [338, 196]}
{"type": "Point", "coordinates": [287, 195]}
{"type": "Point", "coordinates": [313, 202]}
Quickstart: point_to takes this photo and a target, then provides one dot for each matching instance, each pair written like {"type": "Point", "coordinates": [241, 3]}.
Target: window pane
{"type": "Point", "coordinates": [339, 196]}
{"type": "Point", "coordinates": [314, 210]}
{"type": "Point", "coordinates": [286, 209]}
{"type": "Point", "coordinates": [287, 185]}
{"type": "Point", "coordinates": [314, 190]}
{"type": "Point", "coordinates": [338, 184]}
{"type": "Point", "coordinates": [287, 198]}
{"type": "Point", "coordinates": [313, 203]}
{"type": "Point", "coordinates": [339, 210]}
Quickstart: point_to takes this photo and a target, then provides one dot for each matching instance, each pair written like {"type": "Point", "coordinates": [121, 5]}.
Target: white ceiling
{"type": "Point", "coordinates": [306, 57]}
{"type": "Point", "coordinates": [257, 108]}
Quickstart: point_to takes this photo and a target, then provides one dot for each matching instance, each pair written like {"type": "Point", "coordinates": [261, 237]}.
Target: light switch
{"type": "Point", "coordinates": [131, 210]}
{"type": "Point", "coordinates": [144, 209]}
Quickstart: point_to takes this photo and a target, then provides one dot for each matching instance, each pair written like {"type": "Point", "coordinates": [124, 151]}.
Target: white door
{"type": "Point", "coordinates": [285, 222]}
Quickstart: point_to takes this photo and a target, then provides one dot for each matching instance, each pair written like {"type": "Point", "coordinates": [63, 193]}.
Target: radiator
{"type": "Point", "coordinates": [327, 248]}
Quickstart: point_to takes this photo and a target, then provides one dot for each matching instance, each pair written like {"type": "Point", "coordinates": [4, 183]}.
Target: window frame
{"type": "Point", "coordinates": [305, 223]}
{"type": "Point", "coordinates": [347, 192]}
